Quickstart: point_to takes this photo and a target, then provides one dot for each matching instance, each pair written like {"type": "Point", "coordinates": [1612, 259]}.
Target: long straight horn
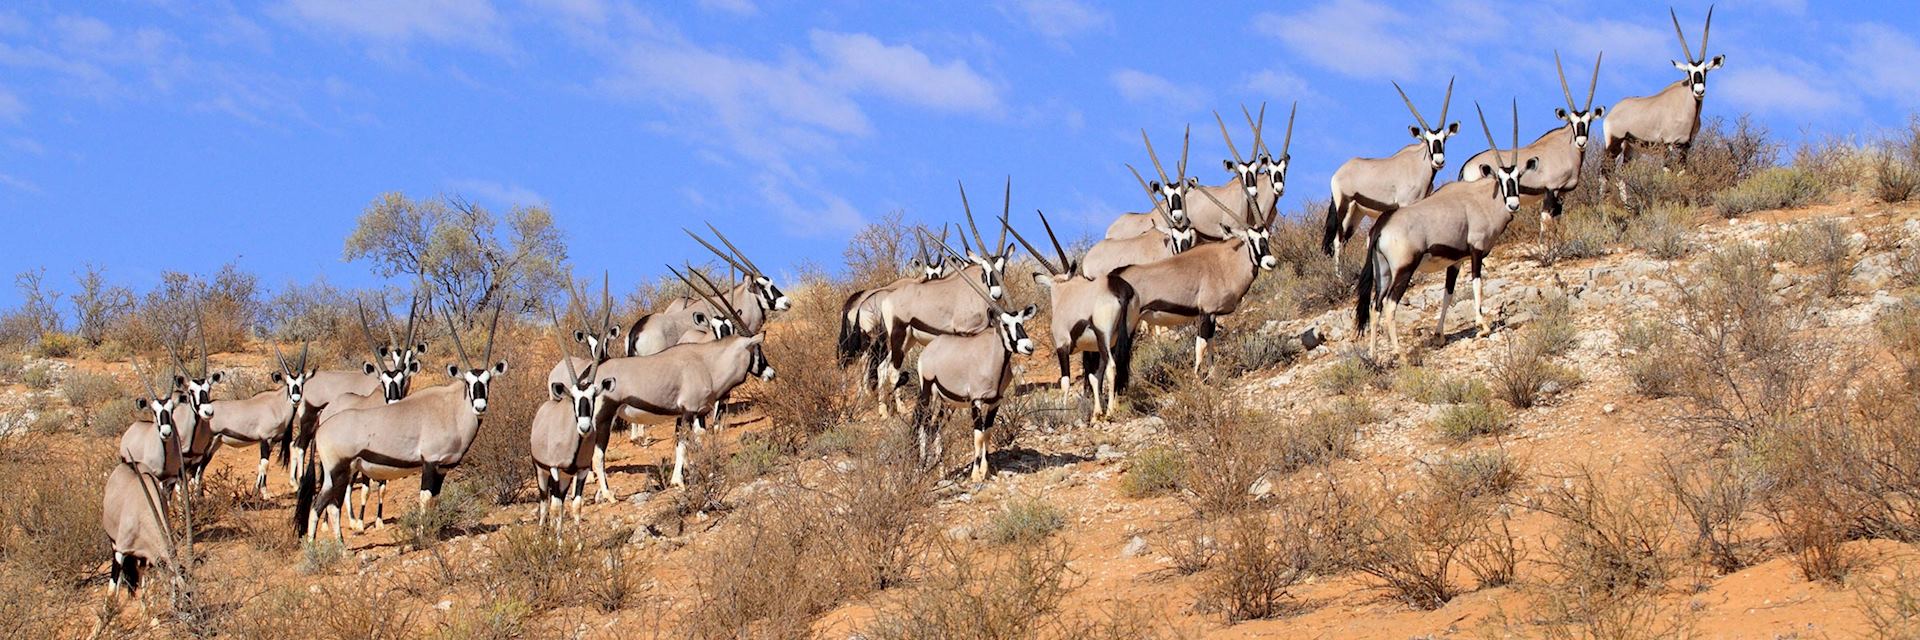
{"type": "Point", "coordinates": [1246, 212]}
{"type": "Point", "coordinates": [1563, 82]}
{"type": "Point", "coordinates": [1155, 157]}
{"type": "Point", "coordinates": [968, 208]}
{"type": "Point", "coordinates": [493, 331]}
{"type": "Point", "coordinates": [1037, 256]}
{"type": "Point", "coordinates": [751, 268]}
{"type": "Point", "coordinates": [975, 285]}
{"type": "Point", "coordinates": [606, 303]}
{"type": "Point", "coordinates": [1006, 209]}
{"type": "Point", "coordinates": [413, 314]}
{"type": "Point", "coordinates": [1446, 104]}
{"type": "Point", "coordinates": [303, 354]}
{"type": "Point", "coordinates": [1595, 82]}
{"type": "Point", "coordinates": [179, 364]}
{"type": "Point", "coordinates": [1685, 49]}
{"type": "Point", "coordinates": [200, 328]}
{"type": "Point", "coordinates": [1705, 32]}
{"type": "Point", "coordinates": [1229, 138]}
{"type": "Point", "coordinates": [1410, 107]}
{"type": "Point", "coordinates": [1286, 147]}
{"type": "Point", "coordinates": [1491, 144]}
{"type": "Point", "coordinates": [717, 300]}
{"type": "Point", "coordinates": [281, 359]}
{"type": "Point", "coordinates": [1151, 198]}
{"type": "Point", "coordinates": [1259, 127]}
{"type": "Point", "coordinates": [366, 331]}
{"type": "Point", "coordinates": [1065, 264]}
{"type": "Point", "coordinates": [562, 346]}
{"type": "Point", "coordinates": [458, 346]}
{"type": "Point", "coordinates": [1184, 140]}
{"type": "Point", "coordinates": [942, 244]}
{"type": "Point", "coordinates": [716, 251]}
{"type": "Point", "coordinates": [386, 314]}
{"type": "Point", "coordinates": [145, 374]}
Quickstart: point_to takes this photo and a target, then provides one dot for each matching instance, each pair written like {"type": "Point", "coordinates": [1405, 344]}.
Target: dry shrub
{"type": "Point", "coordinates": [1325, 435]}
{"type": "Point", "coordinates": [1257, 563]}
{"type": "Point", "coordinates": [321, 555]}
{"type": "Point", "coordinates": [350, 609]}
{"type": "Point", "coordinates": [458, 510]}
{"type": "Point", "coordinates": [1237, 441]}
{"type": "Point", "coordinates": [1581, 232]}
{"type": "Point", "coordinates": [1899, 330]}
{"type": "Point", "coordinates": [496, 464]}
{"type": "Point", "coordinates": [810, 394]}
{"type": "Point", "coordinates": [1006, 593]}
{"type": "Point", "coordinates": [1812, 531]}
{"type": "Point", "coordinates": [1894, 180]}
{"type": "Point", "coordinates": [92, 397]}
{"type": "Point", "coordinates": [1576, 615]}
{"type": "Point", "coordinates": [1776, 188]}
{"type": "Point", "coordinates": [1841, 162]}
{"type": "Point", "coordinates": [1467, 420]}
{"type": "Point", "coordinates": [538, 572]}
{"type": "Point", "coordinates": [1492, 473]}
{"type": "Point", "coordinates": [1153, 472]}
{"type": "Point", "coordinates": [1351, 375]}
{"type": "Point", "coordinates": [1821, 247]}
{"type": "Point", "coordinates": [708, 481]}
{"type": "Point", "coordinates": [52, 520]}
{"type": "Point", "coordinates": [1721, 158]}
{"type": "Point", "coordinates": [1429, 387]}
{"type": "Point", "coordinates": [1661, 230]}
{"type": "Point", "coordinates": [1646, 184]}
{"type": "Point", "coordinates": [31, 609]}
{"type": "Point", "coordinates": [1525, 375]}
{"type": "Point", "coordinates": [1715, 496]}
{"type": "Point", "coordinates": [1612, 539]}
{"type": "Point", "coordinates": [56, 344]}
{"type": "Point", "coordinates": [1891, 605]}
{"type": "Point", "coordinates": [503, 618]}
{"type": "Point", "coordinates": [39, 376]}
{"type": "Point", "coordinates": [1747, 369]}
{"type": "Point", "coordinates": [1647, 353]}
{"type": "Point", "coordinates": [1308, 282]}
{"type": "Point", "coordinates": [1410, 545]}
{"type": "Point", "coordinates": [1024, 519]}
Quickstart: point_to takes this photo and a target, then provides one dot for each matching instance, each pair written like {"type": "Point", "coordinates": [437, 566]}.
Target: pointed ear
{"type": "Point", "coordinates": [1677, 65]}
{"type": "Point", "coordinates": [1717, 60]}
{"type": "Point", "coordinates": [757, 339]}
{"type": "Point", "coordinates": [913, 264]}
{"type": "Point", "coordinates": [1000, 263]}
{"type": "Point", "coordinates": [557, 391]}
{"type": "Point", "coordinates": [218, 376]}
{"type": "Point", "coordinates": [699, 318]}
{"type": "Point", "coordinates": [499, 367]}
{"type": "Point", "coordinates": [606, 385]}
{"type": "Point", "coordinates": [367, 368]}
{"type": "Point", "coordinates": [1453, 129]}
{"type": "Point", "coordinates": [1560, 113]}
{"type": "Point", "coordinates": [419, 348]}
{"type": "Point", "coordinates": [1027, 313]}
{"type": "Point", "coordinates": [1227, 163]}
{"type": "Point", "coordinates": [1414, 130]}
{"type": "Point", "coordinates": [141, 403]}
{"type": "Point", "coordinates": [1533, 163]}
{"type": "Point", "coordinates": [1193, 182]}
{"type": "Point", "coordinates": [579, 336]}
{"type": "Point", "coordinates": [1042, 279]}
{"type": "Point", "coordinates": [276, 377]}
{"type": "Point", "coordinates": [413, 367]}
{"type": "Point", "coordinates": [179, 381]}
{"type": "Point", "coordinates": [613, 332]}
{"type": "Point", "coordinates": [382, 350]}
{"type": "Point", "coordinates": [453, 371]}
{"type": "Point", "coordinates": [1599, 110]}
{"type": "Point", "coordinates": [1154, 186]}
{"type": "Point", "coordinates": [1486, 171]}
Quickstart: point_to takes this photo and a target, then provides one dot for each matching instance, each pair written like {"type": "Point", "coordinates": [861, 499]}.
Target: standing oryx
{"type": "Point", "coordinates": [389, 373]}
{"type": "Point", "coordinates": [972, 369]}
{"type": "Point", "coordinates": [1377, 186]}
{"type": "Point", "coordinates": [1157, 243]}
{"type": "Point", "coordinates": [1201, 284]}
{"type": "Point", "coordinates": [683, 382]}
{"type": "Point", "coordinates": [267, 418]}
{"type": "Point", "coordinates": [1164, 217]}
{"type": "Point", "coordinates": [567, 371]}
{"type": "Point", "coordinates": [133, 508]}
{"type": "Point", "coordinates": [394, 385]}
{"type": "Point", "coordinates": [562, 436]}
{"type": "Point", "coordinates": [915, 313]}
{"type": "Point", "coordinates": [1671, 117]}
{"type": "Point", "coordinates": [1561, 151]}
{"type": "Point", "coordinates": [1461, 221]}
{"type": "Point", "coordinates": [666, 327]}
{"type": "Point", "coordinates": [1089, 316]}
{"type": "Point", "coordinates": [427, 433]}
{"type": "Point", "coordinates": [197, 446]}
{"type": "Point", "coordinates": [861, 334]}
{"type": "Point", "coordinates": [153, 447]}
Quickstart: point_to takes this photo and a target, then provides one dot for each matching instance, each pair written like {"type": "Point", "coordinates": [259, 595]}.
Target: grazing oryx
{"type": "Point", "coordinates": [1157, 243]}
{"type": "Point", "coordinates": [974, 370]}
{"type": "Point", "coordinates": [562, 441]}
{"type": "Point", "coordinates": [1377, 186]}
{"type": "Point", "coordinates": [1164, 217]}
{"type": "Point", "coordinates": [1202, 283]}
{"type": "Point", "coordinates": [1462, 220]}
{"type": "Point", "coordinates": [683, 382]}
{"type": "Point", "coordinates": [1088, 317]}
{"type": "Point", "coordinates": [860, 330]}
{"type": "Point", "coordinates": [1561, 151]}
{"type": "Point", "coordinates": [390, 372]}
{"type": "Point", "coordinates": [133, 509]}
{"type": "Point", "coordinates": [427, 433]}
{"type": "Point", "coordinates": [913, 314]}
{"type": "Point", "coordinates": [1671, 117]}
{"type": "Point", "coordinates": [265, 419]}
{"type": "Point", "coordinates": [657, 331]}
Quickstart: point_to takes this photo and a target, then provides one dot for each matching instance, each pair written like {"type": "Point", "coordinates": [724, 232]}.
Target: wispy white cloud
{"type": "Point", "coordinates": [861, 62]}
{"type": "Point", "coordinates": [393, 26]}
{"type": "Point", "coordinates": [735, 7]}
{"type": "Point", "coordinates": [1358, 38]}
{"type": "Point", "coordinates": [18, 184]}
{"type": "Point", "coordinates": [1279, 84]}
{"type": "Point", "coordinates": [1881, 61]}
{"type": "Point", "coordinates": [1059, 20]}
{"type": "Point", "coordinates": [1771, 89]}
{"type": "Point", "coordinates": [496, 193]}
{"type": "Point", "coordinates": [1141, 87]}
{"type": "Point", "coordinates": [11, 107]}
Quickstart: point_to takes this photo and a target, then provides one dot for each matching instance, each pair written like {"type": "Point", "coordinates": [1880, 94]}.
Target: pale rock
{"type": "Point", "coordinates": [1137, 546]}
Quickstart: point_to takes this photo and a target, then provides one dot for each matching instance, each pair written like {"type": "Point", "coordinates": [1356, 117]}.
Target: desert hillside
{"type": "Point", "coordinates": [1694, 417]}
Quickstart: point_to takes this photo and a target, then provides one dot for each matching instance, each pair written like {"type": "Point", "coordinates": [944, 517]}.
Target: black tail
{"type": "Point", "coordinates": [1122, 335]}
{"type": "Point", "coordinates": [852, 339]}
{"type": "Point", "coordinates": [130, 574]}
{"type": "Point", "coordinates": [1333, 225]}
{"type": "Point", "coordinates": [303, 499]}
{"type": "Point", "coordinates": [1363, 304]}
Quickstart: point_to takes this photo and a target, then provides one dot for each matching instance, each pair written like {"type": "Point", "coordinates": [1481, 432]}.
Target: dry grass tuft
{"type": "Point", "coordinates": [1468, 420]}
{"type": "Point", "coordinates": [1009, 593]}
{"type": "Point", "coordinates": [1612, 540]}
{"type": "Point", "coordinates": [1153, 472]}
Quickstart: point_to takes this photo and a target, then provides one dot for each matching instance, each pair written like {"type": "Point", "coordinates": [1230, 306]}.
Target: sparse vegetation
{"type": "Point", "coordinates": [1820, 247]}
{"type": "Point", "coordinates": [1776, 188]}
{"type": "Point", "coordinates": [1351, 375]}
{"type": "Point", "coordinates": [1024, 519]}
{"type": "Point", "coordinates": [1153, 472]}
{"type": "Point", "coordinates": [1467, 420]}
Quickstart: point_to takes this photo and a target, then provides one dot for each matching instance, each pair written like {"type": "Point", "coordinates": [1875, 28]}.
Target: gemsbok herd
{"type": "Point", "coordinates": [1188, 260]}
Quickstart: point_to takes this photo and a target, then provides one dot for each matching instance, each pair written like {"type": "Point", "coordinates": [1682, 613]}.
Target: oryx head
{"type": "Point", "coordinates": [993, 265]}
{"type": "Point", "coordinates": [476, 380]}
{"type": "Point", "coordinates": [580, 392]}
{"type": "Point", "coordinates": [1434, 139]}
{"type": "Point", "coordinates": [1248, 171]}
{"type": "Point", "coordinates": [1013, 330]}
{"type": "Point", "coordinates": [926, 263]}
{"type": "Point", "coordinates": [1276, 170]}
{"type": "Point", "coordinates": [1581, 119]}
{"type": "Point", "coordinates": [1507, 174]}
{"type": "Point", "coordinates": [1174, 190]}
{"type": "Point", "coordinates": [1696, 69]}
{"type": "Point", "coordinates": [757, 365]}
{"type": "Point", "coordinates": [162, 405]}
{"type": "Point", "coordinates": [198, 388]}
{"type": "Point", "coordinates": [394, 368]}
{"type": "Point", "coordinates": [294, 376]}
{"type": "Point", "coordinates": [598, 339]}
{"type": "Point", "coordinates": [765, 292]}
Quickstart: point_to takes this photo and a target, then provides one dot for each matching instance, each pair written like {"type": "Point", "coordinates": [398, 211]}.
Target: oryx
{"type": "Point", "coordinates": [914, 313]}
{"type": "Point", "coordinates": [1375, 186]}
{"type": "Point", "coordinates": [1671, 117]}
{"type": "Point", "coordinates": [683, 382]}
{"type": "Point", "coordinates": [561, 435]}
{"type": "Point", "coordinates": [395, 383]}
{"type": "Point", "coordinates": [198, 444]}
{"type": "Point", "coordinates": [133, 507]}
{"type": "Point", "coordinates": [426, 433]}
{"type": "Point", "coordinates": [1561, 151]}
{"type": "Point", "coordinates": [1088, 317]}
{"type": "Point", "coordinates": [1461, 221]}
{"type": "Point", "coordinates": [567, 370]}
{"type": "Point", "coordinates": [266, 418]}
{"type": "Point", "coordinates": [971, 369]}
{"type": "Point", "coordinates": [1200, 284]}
{"type": "Point", "coordinates": [1156, 243]}
{"type": "Point", "coordinates": [154, 447]}
{"type": "Point", "coordinates": [860, 330]}
{"type": "Point", "coordinates": [389, 374]}
{"type": "Point", "coordinates": [756, 298]}
{"type": "Point", "coordinates": [1163, 216]}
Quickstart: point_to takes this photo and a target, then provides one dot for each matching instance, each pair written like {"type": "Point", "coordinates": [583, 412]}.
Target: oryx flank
{"type": "Point", "coordinates": [1200, 284]}
{"type": "Point", "coordinates": [914, 313]}
{"type": "Point", "coordinates": [1375, 186]}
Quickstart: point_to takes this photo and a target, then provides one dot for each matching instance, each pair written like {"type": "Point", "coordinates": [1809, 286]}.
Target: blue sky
{"type": "Point", "coordinates": [175, 135]}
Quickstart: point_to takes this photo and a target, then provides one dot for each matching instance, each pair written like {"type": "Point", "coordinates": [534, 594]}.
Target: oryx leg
{"type": "Point", "coordinates": [260, 472]}
{"type": "Point", "coordinates": [333, 487]}
{"type": "Point", "coordinates": [684, 427]}
{"type": "Point", "coordinates": [430, 479]}
{"type": "Point", "coordinates": [578, 496]}
{"type": "Point", "coordinates": [982, 420]}
{"type": "Point", "coordinates": [1201, 337]}
{"type": "Point", "coordinates": [378, 492]}
{"type": "Point", "coordinates": [1349, 220]}
{"type": "Point", "coordinates": [543, 487]}
{"type": "Point", "coordinates": [1064, 355]}
{"type": "Point", "coordinates": [1090, 362]}
{"type": "Point", "coordinates": [922, 419]}
{"type": "Point", "coordinates": [1397, 291]}
{"type": "Point", "coordinates": [346, 503]}
{"type": "Point", "coordinates": [1446, 302]}
{"type": "Point", "coordinates": [1479, 305]}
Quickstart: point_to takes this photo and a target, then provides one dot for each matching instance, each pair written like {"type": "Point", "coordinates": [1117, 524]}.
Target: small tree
{"type": "Point", "coordinates": [458, 248]}
{"type": "Point", "coordinates": [98, 305]}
